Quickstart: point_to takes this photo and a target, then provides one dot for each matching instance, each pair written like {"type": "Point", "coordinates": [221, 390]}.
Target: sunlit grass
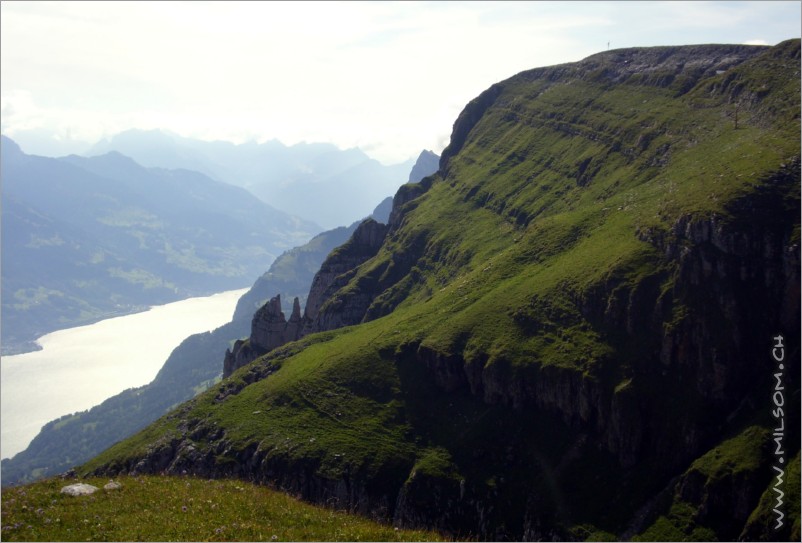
{"type": "Point", "coordinates": [180, 509]}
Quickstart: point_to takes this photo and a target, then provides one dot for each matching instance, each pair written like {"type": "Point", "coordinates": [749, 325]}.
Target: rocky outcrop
{"type": "Point", "coordinates": [323, 311]}
{"type": "Point", "coordinates": [382, 211]}
{"type": "Point", "coordinates": [426, 165]}
{"type": "Point", "coordinates": [270, 329]}
{"type": "Point", "coordinates": [404, 195]}
{"type": "Point", "coordinates": [112, 485]}
{"type": "Point", "coordinates": [467, 120]}
{"type": "Point", "coordinates": [79, 489]}
{"type": "Point", "coordinates": [240, 354]}
{"type": "Point", "coordinates": [667, 65]}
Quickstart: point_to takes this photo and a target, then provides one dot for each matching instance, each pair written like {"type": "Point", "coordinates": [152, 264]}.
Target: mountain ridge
{"type": "Point", "coordinates": [564, 332]}
{"type": "Point", "coordinates": [319, 180]}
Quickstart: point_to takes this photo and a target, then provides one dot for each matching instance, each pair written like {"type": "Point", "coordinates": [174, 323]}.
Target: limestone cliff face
{"type": "Point", "coordinates": [743, 272]}
{"type": "Point", "coordinates": [334, 274]}
{"type": "Point", "coordinates": [270, 329]}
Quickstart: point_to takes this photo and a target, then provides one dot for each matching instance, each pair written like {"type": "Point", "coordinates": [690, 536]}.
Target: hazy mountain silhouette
{"type": "Point", "coordinates": [316, 181]}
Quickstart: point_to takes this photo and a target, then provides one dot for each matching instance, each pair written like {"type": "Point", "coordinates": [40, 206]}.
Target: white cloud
{"type": "Point", "coordinates": [17, 109]}
{"type": "Point", "coordinates": [756, 42]}
{"type": "Point", "coordinates": [387, 76]}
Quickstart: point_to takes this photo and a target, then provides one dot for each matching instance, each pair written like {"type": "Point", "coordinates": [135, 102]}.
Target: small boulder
{"type": "Point", "coordinates": [79, 489]}
{"type": "Point", "coordinates": [112, 485]}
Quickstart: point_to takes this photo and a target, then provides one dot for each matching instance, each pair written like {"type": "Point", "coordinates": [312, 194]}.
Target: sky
{"type": "Point", "coordinates": [387, 77]}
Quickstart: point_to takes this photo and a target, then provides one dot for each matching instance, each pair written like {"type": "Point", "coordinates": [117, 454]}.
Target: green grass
{"type": "Point", "coordinates": [181, 509]}
{"type": "Point", "coordinates": [139, 277]}
{"type": "Point", "coordinates": [678, 525]}
{"type": "Point", "coordinates": [763, 520]}
{"type": "Point", "coordinates": [26, 298]}
{"type": "Point", "coordinates": [743, 453]}
{"type": "Point", "coordinates": [741, 460]}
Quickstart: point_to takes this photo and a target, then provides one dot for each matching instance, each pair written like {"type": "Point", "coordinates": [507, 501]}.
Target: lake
{"type": "Point", "coordinates": [78, 368]}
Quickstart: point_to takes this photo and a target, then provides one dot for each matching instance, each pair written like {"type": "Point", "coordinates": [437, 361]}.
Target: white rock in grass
{"type": "Point", "coordinates": [78, 489]}
{"type": "Point", "coordinates": [112, 485]}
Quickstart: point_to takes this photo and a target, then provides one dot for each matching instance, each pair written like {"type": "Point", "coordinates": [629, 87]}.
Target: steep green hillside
{"type": "Point", "coordinates": [564, 327]}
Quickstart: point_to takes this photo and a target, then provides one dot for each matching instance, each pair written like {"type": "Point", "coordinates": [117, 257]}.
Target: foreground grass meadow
{"type": "Point", "coordinates": [155, 508]}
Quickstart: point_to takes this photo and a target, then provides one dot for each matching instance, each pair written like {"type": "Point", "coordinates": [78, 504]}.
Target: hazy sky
{"type": "Point", "coordinates": [388, 77]}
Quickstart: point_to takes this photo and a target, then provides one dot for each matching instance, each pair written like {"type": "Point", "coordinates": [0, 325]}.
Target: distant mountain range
{"type": "Point", "coordinates": [316, 181]}
{"type": "Point", "coordinates": [87, 238]}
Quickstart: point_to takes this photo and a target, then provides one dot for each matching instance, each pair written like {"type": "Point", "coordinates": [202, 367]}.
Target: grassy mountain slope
{"type": "Point", "coordinates": [188, 510]}
{"type": "Point", "coordinates": [563, 322]}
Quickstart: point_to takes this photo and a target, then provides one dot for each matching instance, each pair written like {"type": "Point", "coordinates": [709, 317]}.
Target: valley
{"type": "Point", "coordinates": [563, 330]}
{"type": "Point", "coordinates": [193, 366]}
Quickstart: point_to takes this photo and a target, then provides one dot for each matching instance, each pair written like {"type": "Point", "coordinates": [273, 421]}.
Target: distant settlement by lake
{"type": "Point", "coordinates": [81, 367]}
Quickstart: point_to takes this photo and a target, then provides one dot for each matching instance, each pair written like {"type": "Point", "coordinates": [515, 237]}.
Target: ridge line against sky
{"type": "Point", "coordinates": [387, 77]}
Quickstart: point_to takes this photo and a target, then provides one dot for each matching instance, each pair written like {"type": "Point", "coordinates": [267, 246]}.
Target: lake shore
{"type": "Point", "coordinates": [78, 368]}
{"type": "Point", "coordinates": [24, 347]}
